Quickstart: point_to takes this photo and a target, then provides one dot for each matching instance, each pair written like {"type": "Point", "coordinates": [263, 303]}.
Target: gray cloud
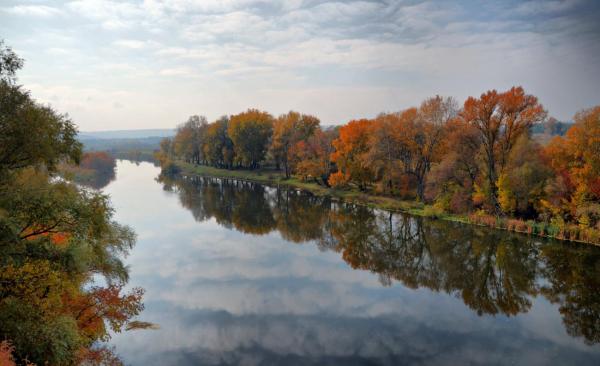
{"type": "Point", "coordinates": [387, 54]}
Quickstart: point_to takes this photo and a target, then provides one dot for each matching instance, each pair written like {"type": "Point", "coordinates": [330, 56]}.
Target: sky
{"type": "Point", "coordinates": [151, 64]}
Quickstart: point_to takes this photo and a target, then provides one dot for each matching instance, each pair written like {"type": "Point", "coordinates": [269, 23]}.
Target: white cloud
{"type": "Point", "coordinates": [57, 51]}
{"type": "Point", "coordinates": [134, 44]}
{"type": "Point", "coordinates": [111, 15]}
{"type": "Point", "coordinates": [242, 53]}
{"type": "Point", "coordinates": [178, 71]}
{"type": "Point", "coordinates": [42, 11]}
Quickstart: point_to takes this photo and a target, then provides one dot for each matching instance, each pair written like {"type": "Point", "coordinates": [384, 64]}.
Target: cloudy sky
{"type": "Point", "coordinates": [152, 63]}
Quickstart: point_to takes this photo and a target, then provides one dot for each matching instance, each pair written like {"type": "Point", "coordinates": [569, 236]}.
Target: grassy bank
{"type": "Point", "coordinates": [277, 178]}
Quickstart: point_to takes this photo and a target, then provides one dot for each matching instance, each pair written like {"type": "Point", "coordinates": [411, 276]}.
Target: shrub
{"type": "Point", "coordinates": [170, 168]}
{"type": "Point", "coordinates": [433, 211]}
{"type": "Point", "coordinates": [339, 179]}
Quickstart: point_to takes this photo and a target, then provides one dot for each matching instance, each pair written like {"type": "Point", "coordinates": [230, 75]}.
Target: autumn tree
{"type": "Point", "coordinates": [386, 147]}
{"type": "Point", "coordinates": [54, 238]}
{"type": "Point", "coordinates": [103, 308]}
{"type": "Point", "coordinates": [501, 119]}
{"type": "Point", "coordinates": [453, 180]}
{"type": "Point", "coordinates": [350, 156]}
{"type": "Point", "coordinates": [432, 118]}
{"type": "Point", "coordinates": [521, 185]}
{"type": "Point", "coordinates": [312, 156]}
{"type": "Point", "coordinates": [289, 129]}
{"type": "Point", "coordinates": [250, 133]}
{"type": "Point", "coordinates": [166, 150]}
{"type": "Point", "coordinates": [189, 139]}
{"type": "Point", "coordinates": [575, 159]}
{"type": "Point", "coordinates": [410, 141]}
{"type": "Point", "coordinates": [218, 147]}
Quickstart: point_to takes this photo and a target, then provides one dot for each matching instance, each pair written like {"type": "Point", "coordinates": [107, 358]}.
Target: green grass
{"type": "Point", "coordinates": [274, 177]}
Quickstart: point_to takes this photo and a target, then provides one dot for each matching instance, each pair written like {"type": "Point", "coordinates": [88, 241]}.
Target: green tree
{"type": "Point", "coordinates": [219, 147]}
{"type": "Point", "coordinates": [521, 186]}
{"type": "Point", "coordinates": [54, 238]}
{"type": "Point", "coordinates": [31, 134]}
{"type": "Point", "coordinates": [9, 63]}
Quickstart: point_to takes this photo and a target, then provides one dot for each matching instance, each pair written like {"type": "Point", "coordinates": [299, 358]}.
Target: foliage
{"type": "Point", "coordinates": [96, 169]}
{"type": "Point", "coordinates": [288, 130]}
{"type": "Point", "coordinates": [218, 146]}
{"type": "Point", "coordinates": [10, 62]}
{"type": "Point", "coordinates": [312, 155]}
{"type": "Point", "coordinates": [501, 118]}
{"type": "Point", "coordinates": [55, 239]}
{"type": "Point", "coordinates": [33, 135]}
{"type": "Point", "coordinates": [189, 139]}
{"type": "Point", "coordinates": [478, 157]}
{"type": "Point", "coordinates": [250, 133]}
{"type": "Point", "coordinates": [350, 155]}
{"type": "Point", "coordinates": [575, 160]}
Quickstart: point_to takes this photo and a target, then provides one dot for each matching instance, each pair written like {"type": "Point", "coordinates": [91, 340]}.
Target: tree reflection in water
{"type": "Point", "coordinates": [493, 272]}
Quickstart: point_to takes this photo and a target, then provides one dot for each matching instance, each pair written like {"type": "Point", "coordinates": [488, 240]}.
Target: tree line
{"type": "Point", "coordinates": [56, 241]}
{"type": "Point", "coordinates": [478, 158]}
{"type": "Point", "coordinates": [96, 169]}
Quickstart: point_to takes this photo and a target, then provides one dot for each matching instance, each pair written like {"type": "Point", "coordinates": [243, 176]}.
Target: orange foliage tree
{"type": "Point", "coordinates": [289, 129]}
{"type": "Point", "coordinates": [312, 157]}
{"type": "Point", "coordinates": [387, 147]}
{"type": "Point", "coordinates": [350, 156]}
{"type": "Point", "coordinates": [104, 306]}
{"type": "Point", "coordinates": [481, 157]}
{"type": "Point", "coordinates": [575, 159]}
{"type": "Point", "coordinates": [501, 119]}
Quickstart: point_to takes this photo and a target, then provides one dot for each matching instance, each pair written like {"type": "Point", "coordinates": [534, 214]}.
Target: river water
{"type": "Point", "coordinates": [240, 273]}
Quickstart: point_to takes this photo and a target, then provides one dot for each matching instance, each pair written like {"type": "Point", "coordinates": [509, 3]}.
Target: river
{"type": "Point", "coordinates": [240, 273]}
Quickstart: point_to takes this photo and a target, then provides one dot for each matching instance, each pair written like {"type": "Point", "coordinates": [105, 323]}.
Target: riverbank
{"type": "Point", "coordinates": [272, 177]}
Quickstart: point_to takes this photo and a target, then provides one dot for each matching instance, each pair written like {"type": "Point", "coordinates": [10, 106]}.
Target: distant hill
{"type": "Point", "coordinates": [126, 134]}
{"type": "Point", "coordinates": [126, 144]}
{"type": "Point", "coordinates": [107, 144]}
{"type": "Point", "coordinates": [544, 132]}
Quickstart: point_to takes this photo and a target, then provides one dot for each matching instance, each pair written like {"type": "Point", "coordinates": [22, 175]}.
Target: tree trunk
{"type": "Point", "coordinates": [421, 188]}
{"type": "Point", "coordinates": [493, 190]}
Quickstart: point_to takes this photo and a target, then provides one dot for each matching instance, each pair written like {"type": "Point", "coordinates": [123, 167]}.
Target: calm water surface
{"type": "Point", "coordinates": [240, 273]}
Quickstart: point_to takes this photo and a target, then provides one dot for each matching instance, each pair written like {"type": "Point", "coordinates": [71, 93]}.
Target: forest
{"type": "Point", "coordinates": [477, 159]}
{"type": "Point", "coordinates": [62, 276]}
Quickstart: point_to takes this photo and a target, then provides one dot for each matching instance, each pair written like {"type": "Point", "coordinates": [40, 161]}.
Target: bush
{"type": "Point", "coordinates": [518, 225]}
{"type": "Point", "coordinates": [170, 168]}
{"type": "Point", "coordinates": [433, 211]}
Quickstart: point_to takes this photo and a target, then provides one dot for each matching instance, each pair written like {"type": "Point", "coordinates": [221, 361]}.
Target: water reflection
{"type": "Point", "coordinates": [492, 272]}
{"type": "Point", "coordinates": [99, 179]}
